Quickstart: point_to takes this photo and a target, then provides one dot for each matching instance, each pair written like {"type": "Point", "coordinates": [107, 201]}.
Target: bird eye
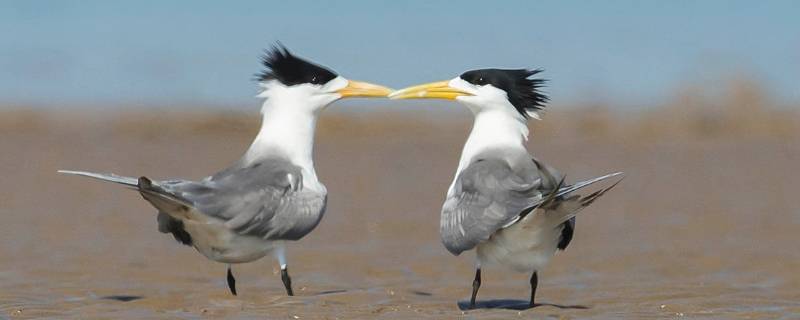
{"type": "Point", "coordinates": [480, 80]}
{"type": "Point", "coordinates": [314, 79]}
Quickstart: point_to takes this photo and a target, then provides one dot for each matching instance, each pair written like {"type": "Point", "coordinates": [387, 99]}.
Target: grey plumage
{"type": "Point", "coordinates": [265, 199]}
{"type": "Point", "coordinates": [496, 190]}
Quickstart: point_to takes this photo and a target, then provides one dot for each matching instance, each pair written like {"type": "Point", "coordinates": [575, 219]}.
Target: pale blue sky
{"type": "Point", "coordinates": [137, 52]}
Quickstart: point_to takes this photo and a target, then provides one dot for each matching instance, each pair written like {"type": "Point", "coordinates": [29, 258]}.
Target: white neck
{"type": "Point", "coordinates": [286, 130]}
{"type": "Point", "coordinates": [493, 129]}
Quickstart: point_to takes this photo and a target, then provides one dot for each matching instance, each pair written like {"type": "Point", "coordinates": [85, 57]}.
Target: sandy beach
{"type": "Point", "coordinates": [703, 226]}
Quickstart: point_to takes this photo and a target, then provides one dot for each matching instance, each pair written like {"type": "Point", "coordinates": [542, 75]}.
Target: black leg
{"type": "Point", "coordinates": [287, 281]}
{"type": "Point", "coordinates": [231, 281]}
{"type": "Point", "coordinates": [534, 284]}
{"type": "Point", "coordinates": [476, 284]}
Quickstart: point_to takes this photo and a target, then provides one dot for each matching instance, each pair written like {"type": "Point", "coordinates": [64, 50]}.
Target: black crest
{"type": "Point", "coordinates": [290, 70]}
{"type": "Point", "coordinates": [522, 91]}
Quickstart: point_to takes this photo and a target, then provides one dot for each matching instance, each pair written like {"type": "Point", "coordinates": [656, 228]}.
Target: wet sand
{"type": "Point", "coordinates": [702, 227]}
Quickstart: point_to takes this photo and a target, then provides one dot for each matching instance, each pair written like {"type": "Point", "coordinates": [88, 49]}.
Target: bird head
{"type": "Point", "coordinates": [299, 83]}
{"type": "Point", "coordinates": [509, 90]}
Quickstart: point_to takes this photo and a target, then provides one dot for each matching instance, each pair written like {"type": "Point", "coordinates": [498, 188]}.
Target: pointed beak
{"type": "Point", "coordinates": [363, 89]}
{"type": "Point", "coordinates": [433, 90]}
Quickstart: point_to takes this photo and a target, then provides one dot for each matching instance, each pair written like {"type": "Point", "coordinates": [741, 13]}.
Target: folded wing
{"type": "Point", "coordinates": [264, 199]}
{"type": "Point", "coordinates": [489, 195]}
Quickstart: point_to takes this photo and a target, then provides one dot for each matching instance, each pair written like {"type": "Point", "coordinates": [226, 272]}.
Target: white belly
{"type": "Point", "coordinates": [218, 243]}
{"type": "Point", "coordinates": [525, 246]}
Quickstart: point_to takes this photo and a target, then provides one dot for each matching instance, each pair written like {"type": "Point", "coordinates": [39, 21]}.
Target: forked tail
{"type": "Point", "coordinates": [562, 206]}
{"type": "Point", "coordinates": [162, 199]}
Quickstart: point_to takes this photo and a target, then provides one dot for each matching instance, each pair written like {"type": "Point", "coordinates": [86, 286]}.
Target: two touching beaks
{"type": "Point", "coordinates": [515, 90]}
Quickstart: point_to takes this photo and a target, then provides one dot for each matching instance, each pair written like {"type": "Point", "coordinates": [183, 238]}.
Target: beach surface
{"type": "Point", "coordinates": [704, 225]}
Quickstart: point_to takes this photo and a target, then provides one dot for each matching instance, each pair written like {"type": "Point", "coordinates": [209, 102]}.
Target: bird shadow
{"type": "Point", "coordinates": [329, 292]}
{"type": "Point", "coordinates": [122, 297]}
{"type": "Point", "coordinates": [512, 304]}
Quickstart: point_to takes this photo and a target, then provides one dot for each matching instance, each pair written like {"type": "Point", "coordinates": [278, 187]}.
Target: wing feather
{"type": "Point", "coordinates": [490, 194]}
{"type": "Point", "coordinates": [264, 199]}
{"type": "Point", "coordinates": [487, 195]}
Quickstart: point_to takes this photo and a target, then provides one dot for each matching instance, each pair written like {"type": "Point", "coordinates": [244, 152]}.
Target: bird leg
{"type": "Point", "coordinates": [287, 281]}
{"type": "Point", "coordinates": [231, 281]}
{"type": "Point", "coordinates": [534, 284]}
{"type": "Point", "coordinates": [476, 284]}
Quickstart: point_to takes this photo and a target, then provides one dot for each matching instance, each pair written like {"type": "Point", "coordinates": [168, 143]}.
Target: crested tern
{"type": "Point", "coordinates": [271, 194]}
{"type": "Point", "coordinates": [510, 207]}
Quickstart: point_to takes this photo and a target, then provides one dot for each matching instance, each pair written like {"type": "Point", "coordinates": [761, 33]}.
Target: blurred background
{"type": "Point", "coordinates": [697, 102]}
{"type": "Point", "coordinates": [111, 54]}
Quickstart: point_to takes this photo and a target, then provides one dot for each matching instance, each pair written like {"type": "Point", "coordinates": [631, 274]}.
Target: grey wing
{"type": "Point", "coordinates": [265, 199]}
{"type": "Point", "coordinates": [489, 195]}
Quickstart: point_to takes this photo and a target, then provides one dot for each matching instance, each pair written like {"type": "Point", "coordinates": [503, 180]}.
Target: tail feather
{"type": "Point", "coordinates": [110, 177]}
{"type": "Point", "coordinates": [172, 209]}
{"type": "Point", "coordinates": [152, 192]}
{"type": "Point", "coordinates": [161, 199]}
{"type": "Point", "coordinates": [586, 183]}
{"type": "Point", "coordinates": [166, 202]}
{"type": "Point", "coordinates": [567, 208]}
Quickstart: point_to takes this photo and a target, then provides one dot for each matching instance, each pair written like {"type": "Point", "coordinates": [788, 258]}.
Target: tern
{"type": "Point", "coordinates": [271, 194]}
{"type": "Point", "coordinates": [510, 207]}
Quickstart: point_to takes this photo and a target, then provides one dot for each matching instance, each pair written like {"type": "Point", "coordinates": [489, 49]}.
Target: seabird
{"type": "Point", "coordinates": [269, 196]}
{"type": "Point", "coordinates": [510, 207]}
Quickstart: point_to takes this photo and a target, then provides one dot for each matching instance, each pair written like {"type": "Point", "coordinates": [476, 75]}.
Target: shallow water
{"type": "Point", "coordinates": [698, 229]}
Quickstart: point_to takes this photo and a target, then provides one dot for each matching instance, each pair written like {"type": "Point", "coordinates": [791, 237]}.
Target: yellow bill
{"type": "Point", "coordinates": [363, 89]}
{"type": "Point", "coordinates": [433, 90]}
